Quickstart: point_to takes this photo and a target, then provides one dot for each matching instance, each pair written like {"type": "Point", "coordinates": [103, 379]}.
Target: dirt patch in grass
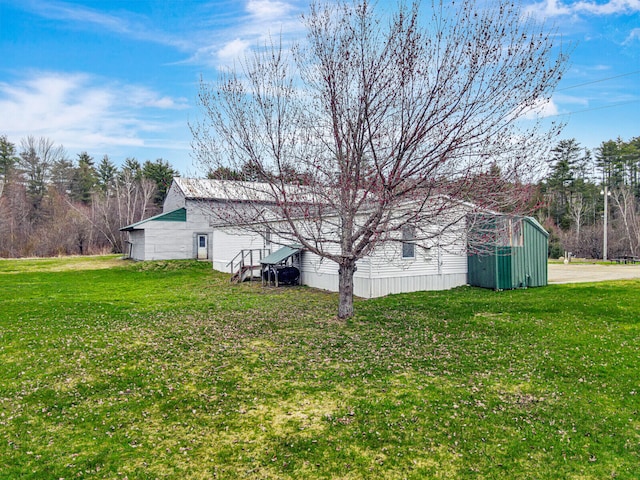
{"type": "Point", "coordinates": [65, 264]}
{"type": "Point", "coordinates": [560, 273]}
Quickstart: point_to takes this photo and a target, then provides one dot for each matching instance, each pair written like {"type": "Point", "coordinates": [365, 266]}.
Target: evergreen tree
{"type": "Point", "coordinates": [161, 173]}
{"type": "Point", "coordinates": [62, 175]}
{"type": "Point", "coordinates": [609, 160]}
{"type": "Point", "coordinates": [630, 152]}
{"type": "Point", "coordinates": [568, 167]}
{"type": "Point", "coordinates": [566, 163]}
{"type": "Point", "coordinates": [107, 173]}
{"type": "Point", "coordinates": [131, 169]}
{"type": "Point", "coordinates": [224, 173]}
{"type": "Point", "coordinates": [85, 179]}
{"type": "Point", "coordinates": [8, 160]}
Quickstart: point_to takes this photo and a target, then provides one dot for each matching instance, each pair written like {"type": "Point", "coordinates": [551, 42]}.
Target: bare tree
{"type": "Point", "coordinates": [389, 124]}
{"type": "Point", "coordinates": [37, 157]}
{"type": "Point", "coordinates": [15, 227]}
{"type": "Point", "coordinates": [578, 209]}
{"type": "Point", "coordinates": [135, 197]}
{"type": "Point", "coordinates": [127, 200]}
{"type": "Point", "coordinates": [626, 204]}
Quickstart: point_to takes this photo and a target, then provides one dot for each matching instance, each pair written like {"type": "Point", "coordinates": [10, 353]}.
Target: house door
{"type": "Point", "coordinates": [202, 247]}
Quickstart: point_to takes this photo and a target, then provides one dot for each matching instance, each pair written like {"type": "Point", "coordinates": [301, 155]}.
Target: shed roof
{"type": "Point", "coordinates": [179, 215]}
{"type": "Point", "coordinates": [537, 225]}
{"type": "Point", "coordinates": [281, 255]}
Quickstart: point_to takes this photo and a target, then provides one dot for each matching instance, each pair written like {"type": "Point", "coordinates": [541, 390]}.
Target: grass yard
{"type": "Point", "coordinates": [110, 369]}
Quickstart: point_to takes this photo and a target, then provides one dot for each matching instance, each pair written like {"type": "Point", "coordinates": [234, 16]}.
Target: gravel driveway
{"type": "Point", "coordinates": [575, 273]}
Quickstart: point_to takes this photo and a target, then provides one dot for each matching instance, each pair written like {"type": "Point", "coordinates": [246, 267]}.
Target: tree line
{"type": "Point", "coordinates": [571, 199]}
{"type": "Point", "coordinates": [51, 204]}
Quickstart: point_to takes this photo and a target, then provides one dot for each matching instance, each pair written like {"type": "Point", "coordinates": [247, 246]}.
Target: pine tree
{"type": "Point", "coordinates": [84, 180]}
{"type": "Point", "coordinates": [107, 173]}
{"type": "Point", "coordinates": [8, 160]}
{"type": "Point", "coordinates": [161, 173]}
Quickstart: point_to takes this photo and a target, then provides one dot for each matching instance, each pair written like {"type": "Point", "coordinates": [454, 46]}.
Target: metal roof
{"type": "Point", "coordinates": [179, 215]}
{"type": "Point", "coordinates": [240, 191]}
{"type": "Point", "coordinates": [537, 225]}
{"type": "Point", "coordinates": [208, 189]}
{"type": "Point", "coordinates": [281, 255]}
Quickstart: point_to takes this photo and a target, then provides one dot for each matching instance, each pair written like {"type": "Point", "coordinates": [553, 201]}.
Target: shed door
{"type": "Point", "coordinates": [504, 275]}
{"type": "Point", "coordinates": [202, 247]}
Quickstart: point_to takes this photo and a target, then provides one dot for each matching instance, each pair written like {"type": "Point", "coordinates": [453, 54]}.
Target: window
{"type": "Point", "coordinates": [509, 232]}
{"type": "Point", "coordinates": [267, 237]}
{"type": "Point", "coordinates": [517, 237]}
{"type": "Point", "coordinates": [408, 247]}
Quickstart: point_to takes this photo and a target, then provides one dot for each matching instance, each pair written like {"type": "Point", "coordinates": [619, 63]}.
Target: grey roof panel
{"type": "Point", "coordinates": [280, 255]}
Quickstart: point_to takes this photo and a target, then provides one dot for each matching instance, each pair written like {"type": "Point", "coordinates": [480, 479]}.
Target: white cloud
{"type": "Point", "coordinates": [547, 8]}
{"type": "Point", "coordinates": [609, 8]}
{"type": "Point", "coordinates": [259, 21]}
{"type": "Point", "coordinates": [233, 50]}
{"type": "Point", "coordinates": [543, 108]}
{"type": "Point", "coordinates": [571, 100]}
{"type": "Point", "coordinates": [554, 8]}
{"type": "Point", "coordinates": [268, 9]}
{"type": "Point", "coordinates": [142, 97]}
{"type": "Point", "coordinates": [81, 112]}
{"type": "Point", "coordinates": [633, 35]}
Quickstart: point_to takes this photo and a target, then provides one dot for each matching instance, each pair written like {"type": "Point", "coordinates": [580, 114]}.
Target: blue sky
{"type": "Point", "coordinates": [121, 77]}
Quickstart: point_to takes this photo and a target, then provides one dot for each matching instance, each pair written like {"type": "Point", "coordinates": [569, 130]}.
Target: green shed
{"type": "Point", "coordinates": [507, 252]}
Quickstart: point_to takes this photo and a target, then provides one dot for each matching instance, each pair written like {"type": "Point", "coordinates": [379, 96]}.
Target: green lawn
{"type": "Point", "coordinates": [110, 369]}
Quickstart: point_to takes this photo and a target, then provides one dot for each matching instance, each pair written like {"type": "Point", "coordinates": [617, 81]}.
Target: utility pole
{"type": "Point", "coordinates": [605, 192]}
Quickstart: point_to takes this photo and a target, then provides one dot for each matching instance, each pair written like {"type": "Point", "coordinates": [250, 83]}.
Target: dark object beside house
{"type": "Point", "coordinates": [285, 275]}
{"type": "Point", "coordinates": [507, 252]}
{"type": "Point", "coordinates": [280, 268]}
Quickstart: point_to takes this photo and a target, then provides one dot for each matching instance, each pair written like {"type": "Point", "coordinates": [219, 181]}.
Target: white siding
{"type": "Point", "coordinates": [380, 287]}
{"type": "Point", "coordinates": [385, 271]}
{"type": "Point", "coordinates": [165, 240]}
{"type": "Point", "coordinates": [174, 200]}
{"type": "Point", "coordinates": [379, 275]}
{"type": "Point", "coordinates": [136, 237]}
{"type": "Point", "coordinates": [228, 243]}
{"type": "Point", "coordinates": [445, 257]}
{"type": "Point", "coordinates": [442, 266]}
{"type": "Point", "coordinates": [322, 273]}
{"type": "Point", "coordinates": [318, 272]}
{"type": "Point", "coordinates": [168, 241]}
{"type": "Point", "coordinates": [197, 218]}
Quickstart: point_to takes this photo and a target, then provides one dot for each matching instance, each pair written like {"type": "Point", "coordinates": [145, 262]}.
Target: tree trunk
{"type": "Point", "coordinates": [345, 275]}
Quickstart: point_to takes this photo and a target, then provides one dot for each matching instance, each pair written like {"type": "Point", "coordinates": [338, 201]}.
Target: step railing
{"type": "Point", "coordinates": [245, 261]}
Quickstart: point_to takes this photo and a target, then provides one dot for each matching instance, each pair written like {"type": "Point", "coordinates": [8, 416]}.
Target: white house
{"type": "Point", "coordinates": [175, 235]}
{"type": "Point", "coordinates": [392, 268]}
{"type": "Point", "coordinates": [181, 231]}
{"type": "Point", "coordinates": [187, 229]}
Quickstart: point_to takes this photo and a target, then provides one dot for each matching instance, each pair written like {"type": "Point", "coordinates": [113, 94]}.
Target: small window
{"type": "Point", "coordinates": [408, 247]}
{"type": "Point", "coordinates": [203, 241]}
{"type": "Point", "coordinates": [267, 237]}
{"type": "Point", "coordinates": [509, 232]}
{"type": "Point", "coordinates": [518, 235]}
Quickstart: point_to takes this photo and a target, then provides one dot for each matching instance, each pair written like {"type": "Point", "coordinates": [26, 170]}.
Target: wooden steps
{"type": "Point", "coordinates": [246, 272]}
